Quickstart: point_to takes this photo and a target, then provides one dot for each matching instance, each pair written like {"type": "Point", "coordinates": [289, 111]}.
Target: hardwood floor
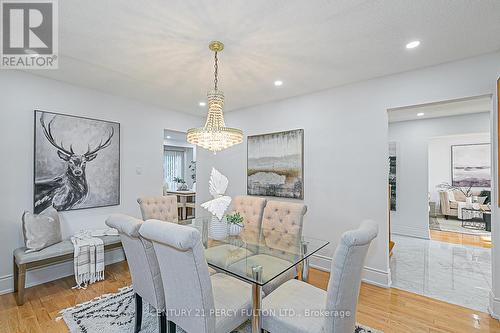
{"type": "Point", "coordinates": [458, 238]}
{"type": "Point", "coordinates": [389, 310]}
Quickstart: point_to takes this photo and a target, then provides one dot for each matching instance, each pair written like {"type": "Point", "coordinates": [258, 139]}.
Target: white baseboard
{"type": "Point", "coordinates": [53, 272]}
{"type": "Point", "coordinates": [406, 230]}
{"type": "Point", "coordinates": [494, 307]}
{"type": "Point", "coordinates": [371, 275]}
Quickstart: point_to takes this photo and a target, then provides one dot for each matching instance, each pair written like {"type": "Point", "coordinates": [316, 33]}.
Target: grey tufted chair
{"type": "Point", "coordinates": [338, 303]}
{"type": "Point", "coordinates": [162, 208]}
{"type": "Point", "coordinates": [251, 209]}
{"type": "Point", "coordinates": [143, 266]}
{"type": "Point", "coordinates": [280, 235]}
{"type": "Point", "coordinates": [218, 303]}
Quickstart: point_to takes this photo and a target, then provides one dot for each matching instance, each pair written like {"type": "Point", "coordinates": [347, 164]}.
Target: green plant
{"type": "Point", "coordinates": [179, 180]}
{"type": "Point", "coordinates": [235, 218]}
{"type": "Point", "coordinates": [192, 167]}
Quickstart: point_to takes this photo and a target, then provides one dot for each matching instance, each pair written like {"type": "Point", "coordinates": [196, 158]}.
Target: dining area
{"type": "Point", "coordinates": [253, 280]}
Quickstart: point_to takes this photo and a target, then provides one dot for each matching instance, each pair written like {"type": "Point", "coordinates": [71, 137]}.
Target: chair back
{"type": "Point", "coordinates": [345, 277]}
{"type": "Point", "coordinates": [141, 258]}
{"type": "Point", "coordinates": [282, 227]}
{"type": "Point", "coordinates": [251, 209]}
{"type": "Point", "coordinates": [185, 276]}
{"type": "Point", "coordinates": [163, 208]}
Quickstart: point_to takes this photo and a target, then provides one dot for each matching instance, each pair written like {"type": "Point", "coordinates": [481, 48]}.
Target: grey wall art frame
{"type": "Point", "coordinates": [471, 165]}
{"type": "Point", "coordinates": [275, 164]}
{"type": "Point", "coordinates": [76, 162]}
{"type": "Point", "coordinates": [392, 174]}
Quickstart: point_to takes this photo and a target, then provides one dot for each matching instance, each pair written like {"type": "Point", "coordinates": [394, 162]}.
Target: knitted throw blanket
{"type": "Point", "coordinates": [89, 256]}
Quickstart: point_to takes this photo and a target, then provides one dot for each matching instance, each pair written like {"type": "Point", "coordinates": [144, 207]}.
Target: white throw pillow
{"type": "Point", "coordinates": [41, 230]}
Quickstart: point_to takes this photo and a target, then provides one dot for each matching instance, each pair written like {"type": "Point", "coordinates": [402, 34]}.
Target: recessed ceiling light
{"type": "Point", "coordinates": [202, 104]}
{"type": "Point", "coordinates": [278, 83]}
{"type": "Point", "coordinates": [169, 137]}
{"type": "Point", "coordinates": [413, 44]}
{"type": "Point", "coordinates": [420, 114]}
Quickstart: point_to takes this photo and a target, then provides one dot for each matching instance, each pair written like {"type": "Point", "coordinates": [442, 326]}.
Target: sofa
{"type": "Point", "coordinates": [449, 201]}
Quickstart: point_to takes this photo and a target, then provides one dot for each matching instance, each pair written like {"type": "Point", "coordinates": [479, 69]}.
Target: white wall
{"type": "Point", "coordinates": [411, 217]}
{"type": "Point", "coordinates": [440, 157]}
{"type": "Point", "coordinates": [141, 148]}
{"type": "Point", "coordinates": [346, 135]}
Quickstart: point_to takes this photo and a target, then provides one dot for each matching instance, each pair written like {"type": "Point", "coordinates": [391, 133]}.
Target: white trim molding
{"type": "Point", "coordinates": [406, 230]}
{"type": "Point", "coordinates": [53, 272]}
{"type": "Point", "coordinates": [371, 275]}
{"type": "Point", "coordinates": [494, 307]}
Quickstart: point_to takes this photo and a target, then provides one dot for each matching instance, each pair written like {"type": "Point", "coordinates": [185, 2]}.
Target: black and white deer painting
{"type": "Point", "coordinates": [77, 162]}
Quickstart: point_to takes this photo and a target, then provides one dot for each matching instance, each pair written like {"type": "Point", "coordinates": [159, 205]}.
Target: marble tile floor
{"type": "Point", "coordinates": [453, 273]}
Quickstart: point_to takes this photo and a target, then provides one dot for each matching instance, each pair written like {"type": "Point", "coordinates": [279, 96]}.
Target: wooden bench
{"type": "Point", "coordinates": [57, 253]}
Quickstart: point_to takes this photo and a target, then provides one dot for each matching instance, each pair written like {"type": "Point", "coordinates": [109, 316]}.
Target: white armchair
{"type": "Point", "coordinates": [187, 283]}
{"type": "Point", "coordinates": [339, 302]}
{"type": "Point", "coordinates": [143, 266]}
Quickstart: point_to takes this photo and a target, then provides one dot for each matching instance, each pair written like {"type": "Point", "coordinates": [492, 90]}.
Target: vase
{"type": "Point", "coordinates": [234, 229]}
{"type": "Point", "coordinates": [468, 200]}
{"type": "Point", "coordinates": [218, 228]}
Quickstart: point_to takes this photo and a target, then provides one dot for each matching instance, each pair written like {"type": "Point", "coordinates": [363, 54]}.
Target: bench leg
{"type": "Point", "coordinates": [19, 280]}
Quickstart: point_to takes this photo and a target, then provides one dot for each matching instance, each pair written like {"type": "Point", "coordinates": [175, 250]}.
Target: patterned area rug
{"type": "Point", "coordinates": [452, 225]}
{"type": "Point", "coordinates": [114, 313]}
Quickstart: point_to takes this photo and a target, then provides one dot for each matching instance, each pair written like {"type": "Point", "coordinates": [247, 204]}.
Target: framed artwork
{"type": "Point", "coordinates": [76, 162]}
{"type": "Point", "coordinates": [471, 165]}
{"type": "Point", "coordinates": [392, 174]}
{"type": "Point", "coordinates": [275, 164]}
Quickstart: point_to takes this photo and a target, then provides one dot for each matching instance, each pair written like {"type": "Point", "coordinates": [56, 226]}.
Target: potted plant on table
{"type": "Point", "coordinates": [181, 184]}
{"type": "Point", "coordinates": [235, 223]}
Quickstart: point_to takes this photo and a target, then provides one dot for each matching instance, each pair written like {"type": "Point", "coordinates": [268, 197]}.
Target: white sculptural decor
{"type": "Point", "coordinates": [218, 205]}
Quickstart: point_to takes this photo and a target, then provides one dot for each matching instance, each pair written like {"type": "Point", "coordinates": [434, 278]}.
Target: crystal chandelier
{"type": "Point", "coordinates": [215, 136]}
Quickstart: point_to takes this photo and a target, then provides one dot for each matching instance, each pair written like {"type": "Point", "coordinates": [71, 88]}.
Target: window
{"type": "Point", "coordinates": [173, 167]}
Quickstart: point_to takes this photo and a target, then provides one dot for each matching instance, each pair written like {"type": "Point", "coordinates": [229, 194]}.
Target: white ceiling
{"type": "Point", "coordinates": [443, 109]}
{"type": "Point", "coordinates": [156, 50]}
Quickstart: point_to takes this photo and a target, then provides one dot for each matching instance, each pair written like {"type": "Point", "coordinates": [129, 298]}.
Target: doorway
{"type": "Point", "coordinates": [179, 172]}
{"type": "Point", "coordinates": [440, 175]}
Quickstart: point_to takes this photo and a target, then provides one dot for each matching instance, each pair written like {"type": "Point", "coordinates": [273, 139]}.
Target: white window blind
{"type": "Point", "coordinates": [173, 167]}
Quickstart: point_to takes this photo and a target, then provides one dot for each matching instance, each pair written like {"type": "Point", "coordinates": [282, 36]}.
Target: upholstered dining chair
{"type": "Point", "coordinates": [143, 266]}
{"type": "Point", "coordinates": [338, 303]}
{"type": "Point", "coordinates": [162, 208]}
{"type": "Point", "coordinates": [281, 236]}
{"type": "Point", "coordinates": [251, 209]}
{"type": "Point", "coordinates": [220, 303]}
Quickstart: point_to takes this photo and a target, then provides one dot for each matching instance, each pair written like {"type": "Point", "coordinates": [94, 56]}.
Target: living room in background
{"type": "Point", "coordinates": [443, 217]}
{"type": "Point", "coordinates": [179, 171]}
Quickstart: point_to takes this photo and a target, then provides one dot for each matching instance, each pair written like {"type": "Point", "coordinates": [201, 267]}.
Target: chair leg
{"type": "Point", "coordinates": [15, 271]}
{"type": "Point", "coordinates": [162, 322]}
{"type": "Point", "coordinates": [138, 313]}
{"type": "Point", "coordinates": [172, 328]}
{"type": "Point", "coordinates": [20, 279]}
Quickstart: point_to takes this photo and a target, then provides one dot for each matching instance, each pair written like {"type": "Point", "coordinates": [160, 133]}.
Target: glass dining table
{"type": "Point", "coordinates": [261, 263]}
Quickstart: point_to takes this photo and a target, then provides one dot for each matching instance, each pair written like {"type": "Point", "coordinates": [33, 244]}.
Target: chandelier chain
{"type": "Point", "coordinates": [216, 71]}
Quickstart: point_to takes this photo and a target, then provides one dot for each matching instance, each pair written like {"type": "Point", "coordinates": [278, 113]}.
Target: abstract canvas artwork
{"type": "Point", "coordinates": [471, 165]}
{"type": "Point", "coordinates": [76, 162]}
{"type": "Point", "coordinates": [276, 164]}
